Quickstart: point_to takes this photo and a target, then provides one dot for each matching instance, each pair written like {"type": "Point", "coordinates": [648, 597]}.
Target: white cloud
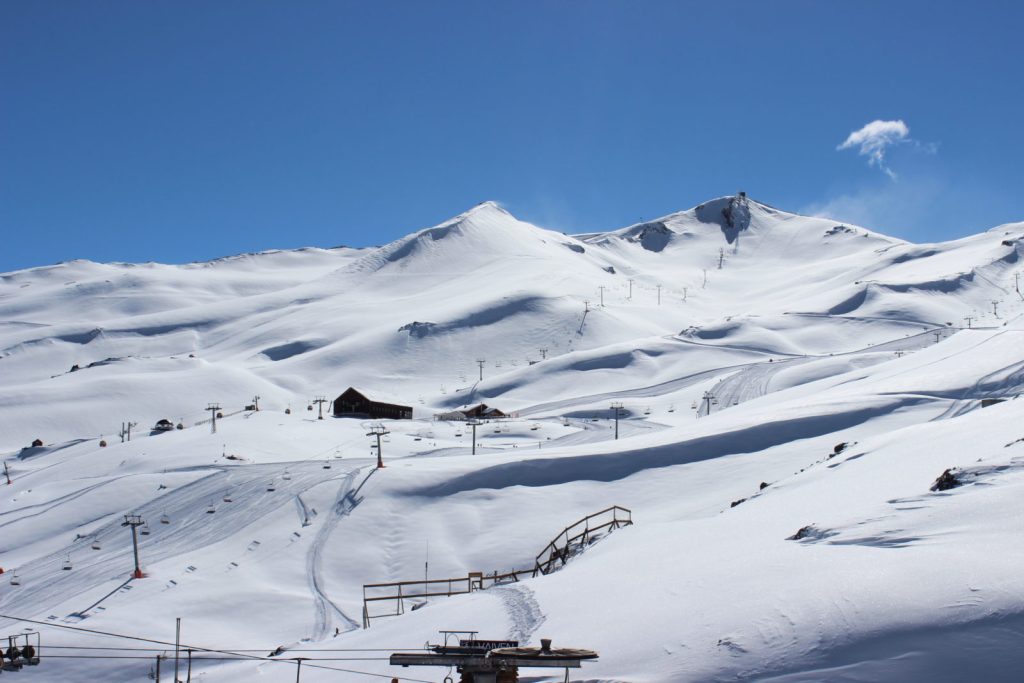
{"type": "Point", "coordinates": [873, 139]}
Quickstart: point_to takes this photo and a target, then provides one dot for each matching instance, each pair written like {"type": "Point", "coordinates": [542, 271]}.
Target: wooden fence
{"type": "Point", "coordinates": [571, 541]}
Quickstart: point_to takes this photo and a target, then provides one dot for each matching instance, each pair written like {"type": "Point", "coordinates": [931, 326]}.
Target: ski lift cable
{"type": "Point", "coordinates": [186, 647]}
{"type": "Point", "coordinates": [125, 648]}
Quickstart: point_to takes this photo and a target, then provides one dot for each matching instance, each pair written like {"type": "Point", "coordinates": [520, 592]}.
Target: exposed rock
{"type": "Point", "coordinates": [418, 329]}
{"type": "Point", "coordinates": [947, 480]}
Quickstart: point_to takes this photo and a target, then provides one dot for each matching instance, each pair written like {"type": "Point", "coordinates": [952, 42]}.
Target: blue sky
{"type": "Point", "coordinates": [187, 130]}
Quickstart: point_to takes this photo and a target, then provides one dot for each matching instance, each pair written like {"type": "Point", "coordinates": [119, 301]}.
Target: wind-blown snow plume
{"type": "Point", "coordinates": [874, 138]}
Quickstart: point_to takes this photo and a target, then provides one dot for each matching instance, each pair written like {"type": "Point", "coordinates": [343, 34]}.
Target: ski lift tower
{"type": "Point", "coordinates": [493, 661]}
{"type": "Point", "coordinates": [135, 521]}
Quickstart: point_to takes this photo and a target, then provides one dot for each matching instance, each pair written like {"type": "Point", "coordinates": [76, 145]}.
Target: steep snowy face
{"type": "Point", "coordinates": [484, 235]}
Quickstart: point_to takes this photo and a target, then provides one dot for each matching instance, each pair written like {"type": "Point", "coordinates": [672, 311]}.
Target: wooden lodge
{"type": "Point", "coordinates": [482, 411]}
{"type": "Point", "coordinates": [354, 404]}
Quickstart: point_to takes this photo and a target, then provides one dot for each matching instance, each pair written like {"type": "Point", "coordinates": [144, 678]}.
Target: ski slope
{"type": "Point", "coordinates": [745, 344]}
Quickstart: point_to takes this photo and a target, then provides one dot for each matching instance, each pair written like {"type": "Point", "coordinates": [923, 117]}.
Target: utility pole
{"type": "Point", "coordinates": [158, 668]}
{"type": "Point", "coordinates": [601, 288]}
{"type": "Point", "coordinates": [630, 289]}
{"type": "Point", "coordinates": [659, 295]}
{"type": "Point", "coordinates": [617, 406]}
{"type": "Point", "coordinates": [708, 398]}
{"type": "Point", "coordinates": [177, 647]}
{"type": "Point", "coordinates": [135, 521]}
{"type": "Point", "coordinates": [214, 408]}
{"type": "Point", "coordinates": [320, 401]}
{"type": "Point", "coordinates": [480, 362]}
{"type": "Point", "coordinates": [474, 423]}
{"type": "Point", "coordinates": [256, 403]}
{"type": "Point", "coordinates": [968, 318]}
{"type": "Point", "coordinates": [721, 257]}
{"type": "Point", "coordinates": [378, 431]}
{"type": "Point", "coordinates": [543, 354]}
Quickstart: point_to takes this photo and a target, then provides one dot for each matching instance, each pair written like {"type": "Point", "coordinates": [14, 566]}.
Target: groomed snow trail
{"type": "Point", "coordinates": [190, 528]}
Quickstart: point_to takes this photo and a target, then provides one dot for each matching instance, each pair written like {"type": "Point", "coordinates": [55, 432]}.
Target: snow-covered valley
{"type": "Point", "coordinates": [789, 389]}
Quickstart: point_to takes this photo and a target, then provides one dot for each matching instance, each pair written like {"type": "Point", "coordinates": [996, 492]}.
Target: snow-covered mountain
{"type": "Point", "coordinates": [745, 344]}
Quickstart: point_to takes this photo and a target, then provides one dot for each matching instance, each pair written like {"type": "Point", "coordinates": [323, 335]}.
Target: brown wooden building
{"type": "Point", "coordinates": [483, 411]}
{"type": "Point", "coordinates": [353, 404]}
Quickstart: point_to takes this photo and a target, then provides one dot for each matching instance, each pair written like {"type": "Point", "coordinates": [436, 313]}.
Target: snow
{"type": "Point", "coordinates": [810, 334]}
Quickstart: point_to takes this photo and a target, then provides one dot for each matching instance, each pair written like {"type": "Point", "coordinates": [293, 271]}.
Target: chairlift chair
{"type": "Point", "coordinates": [66, 566]}
{"type": "Point", "coordinates": [271, 487]}
{"type": "Point", "coordinates": [164, 519]}
{"type": "Point", "coordinates": [286, 476]}
{"type": "Point", "coordinates": [227, 498]}
{"type": "Point", "coordinates": [693, 406]}
{"type": "Point", "coordinates": [647, 411]}
{"type": "Point", "coordinates": [96, 545]}
{"type": "Point", "coordinates": [210, 509]}
{"type": "Point", "coordinates": [327, 464]}
{"type": "Point", "coordinates": [15, 581]}
{"type": "Point", "coordinates": [145, 530]}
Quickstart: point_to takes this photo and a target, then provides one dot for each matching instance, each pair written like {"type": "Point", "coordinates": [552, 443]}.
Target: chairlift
{"type": "Point", "coordinates": [210, 509]}
{"type": "Point", "coordinates": [309, 407]}
{"type": "Point", "coordinates": [271, 487]}
{"type": "Point", "coordinates": [227, 498]}
{"type": "Point", "coordinates": [714, 401]}
{"type": "Point", "coordinates": [672, 408]}
{"type": "Point", "coordinates": [497, 430]}
{"type": "Point", "coordinates": [647, 411]}
{"type": "Point", "coordinates": [534, 428]}
{"type": "Point", "coordinates": [327, 464]}
{"type": "Point", "coordinates": [693, 406]}
{"type": "Point", "coordinates": [66, 566]}
{"type": "Point", "coordinates": [286, 476]}
{"type": "Point", "coordinates": [96, 545]}
{"type": "Point", "coordinates": [459, 434]}
{"type": "Point", "coordinates": [15, 581]}
{"type": "Point", "coordinates": [145, 530]}
{"type": "Point", "coordinates": [418, 438]}
{"type": "Point", "coordinates": [164, 519]}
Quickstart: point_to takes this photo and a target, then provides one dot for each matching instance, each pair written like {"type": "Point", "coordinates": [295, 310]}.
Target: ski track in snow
{"type": "Point", "coordinates": [326, 609]}
{"type": "Point", "coordinates": [523, 610]}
